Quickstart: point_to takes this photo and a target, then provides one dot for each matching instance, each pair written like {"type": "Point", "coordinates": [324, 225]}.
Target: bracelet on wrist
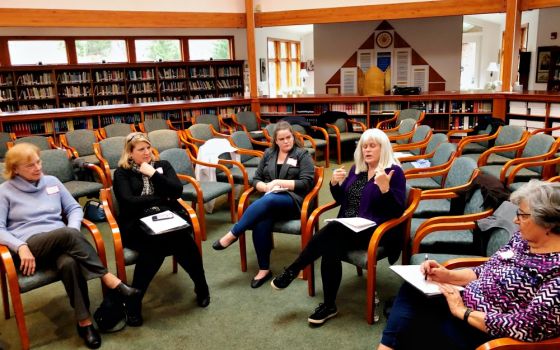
{"type": "Point", "coordinates": [467, 314]}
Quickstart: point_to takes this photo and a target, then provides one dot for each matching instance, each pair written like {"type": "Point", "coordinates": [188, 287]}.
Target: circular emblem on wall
{"type": "Point", "coordinates": [384, 39]}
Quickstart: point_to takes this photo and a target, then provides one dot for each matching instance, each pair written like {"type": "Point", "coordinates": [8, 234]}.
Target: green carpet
{"type": "Point", "coordinates": [238, 317]}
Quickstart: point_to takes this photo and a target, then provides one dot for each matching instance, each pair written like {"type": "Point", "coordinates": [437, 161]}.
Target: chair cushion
{"type": "Point", "coordinates": [130, 256]}
{"type": "Point", "coordinates": [155, 124]}
{"type": "Point", "coordinates": [252, 162]}
{"type": "Point", "coordinates": [83, 188]}
{"type": "Point", "coordinates": [497, 159]}
{"type": "Point", "coordinates": [432, 207]}
{"type": "Point", "coordinates": [40, 278]}
{"type": "Point", "coordinates": [425, 183]}
{"type": "Point", "coordinates": [292, 227]}
{"type": "Point", "coordinates": [210, 190]}
{"type": "Point", "coordinates": [349, 136]}
{"type": "Point", "coordinates": [201, 132]}
{"type": "Point", "coordinates": [457, 241]}
{"type": "Point", "coordinates": [359, 257]}
{"type": "Point", "coordinates": [90, 159]}
{"type": "Point", "coordinates": [249, 119]}
{"type": "Point", "coordinates": [474, 147]}
{"type": "Point", "coordinates": [111, 150]}
{"type": "Point", "coordinates": [57, 163]}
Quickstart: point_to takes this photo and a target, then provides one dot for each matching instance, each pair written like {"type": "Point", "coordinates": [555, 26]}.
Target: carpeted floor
{"type": "Point", "coordinates": [238, 317]}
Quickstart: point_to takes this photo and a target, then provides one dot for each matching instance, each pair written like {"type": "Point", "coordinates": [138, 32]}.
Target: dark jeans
{"type": "Point", "coordinates": [260, 217]}
{"type": "Point", "coordinates": [74, 258]}
{"type": "Point", "coordinates": [419, 322]}
{"type": "Point", "coordinates": [153, 249]}
{"type": "Point", "coordinates": [331, 243]}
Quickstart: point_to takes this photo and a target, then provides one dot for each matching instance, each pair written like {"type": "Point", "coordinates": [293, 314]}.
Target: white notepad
{"type": "Point", "coordinates": [355, 224]}
{"type": "Point", "coordinates": [413, 275]}
{"type": "Point", "coordinates": [163, 226]}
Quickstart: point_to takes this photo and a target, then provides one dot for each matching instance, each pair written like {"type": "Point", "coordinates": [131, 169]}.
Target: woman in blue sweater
{"type": "Point", "coordinates": [374, 189]}
{"type": "Point", "coordinates": [32, 208]}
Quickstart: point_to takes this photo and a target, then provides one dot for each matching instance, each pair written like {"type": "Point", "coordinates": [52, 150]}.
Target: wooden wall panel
{"type": "Point", "coordinates": [118, 19]}
{"type": "Point", "coordinates": [379, 12]}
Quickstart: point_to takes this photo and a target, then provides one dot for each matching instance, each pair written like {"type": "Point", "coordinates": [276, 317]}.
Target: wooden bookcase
{"type": "Point", "coordinates": [68, 86]}
{"type": "Point", "coordinates": [534, 110]}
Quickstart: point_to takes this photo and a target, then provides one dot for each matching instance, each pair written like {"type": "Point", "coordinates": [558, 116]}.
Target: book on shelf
{"type": "Point", "coordinates": [413, 275]}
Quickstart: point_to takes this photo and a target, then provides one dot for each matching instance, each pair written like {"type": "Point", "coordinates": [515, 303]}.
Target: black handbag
{"type": "Point", "coordinates": [93, 211]}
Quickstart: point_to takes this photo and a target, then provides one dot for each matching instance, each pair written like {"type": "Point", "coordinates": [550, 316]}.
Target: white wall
{"type": "Point", "coordinates": [532, 19]}
{"type": "Point", "coordinates": [233, 6]}
{"type": "Point", "coordinates": [437, 40]}
{"type": "Point", "coordinates": [548, 23]}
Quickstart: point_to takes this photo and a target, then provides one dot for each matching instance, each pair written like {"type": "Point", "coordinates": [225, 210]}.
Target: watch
{"type": "Point", "coordinates": [384, 39]}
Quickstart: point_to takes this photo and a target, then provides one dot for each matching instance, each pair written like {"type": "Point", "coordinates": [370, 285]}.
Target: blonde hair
{"type": "Point", "coordinates": [386, 156]}
{"type": "Point", "coordinates": [130, 141]}
{"type": "Point", "coordinates": [16, 155]}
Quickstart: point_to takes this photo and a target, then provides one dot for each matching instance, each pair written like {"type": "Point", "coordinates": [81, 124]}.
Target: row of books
{"type": "Point", "coordinates": [145, 87]}
{"type": "Point", "coordinates": [166, 115]}
{"type": "Point", "coordinates": [277, 109]}
{"type": "Point", "coordinates": [229, 72]}
{"type": "Point", "coordinates": [201, 85]}
{"type": "Point", "coordinates": [311, 108]}
{"type": "Point", "coordinates": [462, 122]}
{"type": "Point", "coordinates": [230, 94]}
{"type": "Point", "coordinates": [110, 101]}
{"type": "Point", "coordinates": [127, 118]}
{"type": "Point", "coordinates": [34, 78]}
{"type": "Point", "coordinates": [350, 108]}
{"type": "Point", "coordinates": [28, 128]}
{"type": "Point", "coordinates": [108, 90]}
{"type": "Point", "coordinates": [172, 73]}
{"type": "Point", "coordinates": [144, 99]}
{"type": "Point", "coordinates": [471, 107]}
{"type": "Point", "coordinates": [74, 104]}
{"type": "Point", "coordinates": [31, 93]}
{"type": "Point", "coordinates": [175, 97]}
{"type": "Point", "coordinates": [172, 86]}
{"type": "Point", "coordinates": [385, 107]}
{"type": "Point", "coordinates": [109, 75]}
{"type": "Point", "coordinates": [74, 77]}
{"type": "Point", "coordinates": [75, 91]}
{"type": "Point", "coordinates": [229, 84]}
{"type": "Point", "coordinates": [6, 80]}
{"type": "Point", "coordinates": [6, 94]}
{"type": "Point", "coordinates": [143, 74]}
{"type": "Point", "coordinates": [201, 72]}
{"type": "Point", "coordinates": [35, 106]}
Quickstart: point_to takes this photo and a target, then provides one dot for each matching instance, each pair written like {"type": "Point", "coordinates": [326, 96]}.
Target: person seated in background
{"type": "Point", "coordinates": [144, 186]}
{"type": "Point", "coordinates": [286, 169]}
{"type": "Point", "coordinates": [516, 293]}
{"type": "Point", "coordinates": [374, 189]}
{"type": "Point", "coordinates": [32, 209]}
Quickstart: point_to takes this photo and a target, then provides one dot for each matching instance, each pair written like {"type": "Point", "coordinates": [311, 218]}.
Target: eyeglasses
{"type": "Point", "coordinates": [521, 215]}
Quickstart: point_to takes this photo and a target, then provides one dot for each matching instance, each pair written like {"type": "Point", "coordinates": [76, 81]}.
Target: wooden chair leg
{"type": "Point", "coordinates": [359, 271]}
{"type": "Point", "coordinates": [17, 304]}
{"type": "Point", "coordinates": [311, 280]}
{"type": "Point", "coordinates": [327, 154]}
{"type": "Point", "coordinates": [339, 152]}
{"type": "Point", "coordinates": [198, 206]}
{"type": "Point", "coordinates": [371, 288]}
{"type": "Point", "coordinates": [5, 298]}
{"type": "Point", "coordinates": [243, 252]}
{"type": "Point", "coordinates": [174, 265]}
{"type": "Point", "coordinates": [232, 207]}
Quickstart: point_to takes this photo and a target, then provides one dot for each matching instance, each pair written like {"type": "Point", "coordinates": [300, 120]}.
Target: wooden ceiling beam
{"type": "Point", "coordinates": [379, 12]}
{"type": "Point", "coordinates": [118, 19]}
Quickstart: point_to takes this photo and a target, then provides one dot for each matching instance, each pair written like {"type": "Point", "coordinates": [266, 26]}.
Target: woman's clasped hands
{"type": "Point", "coordinates": [338, 176]}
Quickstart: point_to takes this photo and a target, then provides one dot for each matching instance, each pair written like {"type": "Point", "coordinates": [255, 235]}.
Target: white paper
{"type": "Point", "coordinates": [413, 275]}
{"type": "Point", "coordinates": [277, 189]}
{"type": "Point", "coordinates": [162, 226]}
{"type": "Point", "coordinates": [356, 224]}
{"type": "Point", "coordinates": [402, 154]}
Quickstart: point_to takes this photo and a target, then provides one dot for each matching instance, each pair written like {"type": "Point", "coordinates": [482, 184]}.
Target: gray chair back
{"type": "Point", "coordinates": [201, 131]}
{"type": "Point", "coordinates": [4, 138]}
{"type": "Point", "coordinates": [164, 139]}
{"type": "Point", "coordinates": [420, 134]}
{"type": "Point", "coordinates": [211, 119]}
{"type": "Point", "coordinates": [82, 140]}
{"type": "Point", "coordinates": [475, 204]}
{"type": "Point", "coordinates": [111, 150]}
{"type": "Point", "coordinates": [155, 124]}
{"type": "Point", "coordinates": [249, 119]}
{"type": "Point", "coordinates": [39, 141]}
{"type": "Point", "coordinates": [538, 144]}
{"type": "Point", "coordinates": [179, 160]}
{"type": "Point", "coordinates": [443, 153]}
{"type": "Point", "coordinates": [406, 126]}
{"type": "Point", "coordinates": [299, 128]}
{"type": "Point", "coordinates": [341, 124]}
{"type": "Point", "coordinates": [435, 141]}
{"type": "Point", "coordinates": [409, 113]}
{"type": "Point", "coordinates": [56, 163]}
{"type": "Point", "coordinates": [460, 172]}
{"type": "Point", "coordinates": [509, 134]}
{"type": "Point", "coordinates": [270, 129]}
{"type": "Point", "coordinates": [117, 129]}
{"type": "Point", "coordinates": [498, 238]}
{"type": "Point", "coordinates": [241, 140]}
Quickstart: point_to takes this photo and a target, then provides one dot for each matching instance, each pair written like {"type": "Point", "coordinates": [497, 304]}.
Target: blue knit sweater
{"type": "Point", "coordinates": [27, 210]}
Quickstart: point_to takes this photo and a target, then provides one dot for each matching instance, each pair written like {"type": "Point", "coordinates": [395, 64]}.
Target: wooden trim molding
{"type": "Point", "coordinates": [251, 48]}
{"type": "Point", "coordinates": [379, 12]}
{"type": "Point", "coordinates": [538, 4]}
{"type": "Point", "coordinates": [118, 19]}
{"type": "Point", "coordinates": [511, 40]}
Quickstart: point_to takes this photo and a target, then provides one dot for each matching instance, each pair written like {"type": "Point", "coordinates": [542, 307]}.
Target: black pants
{"type": "Point", "coordinates": [331, 243]}
{"type": "Point", "coordinates": [75, 259]}
{"type": "Point", "coordinates": [153, 249]}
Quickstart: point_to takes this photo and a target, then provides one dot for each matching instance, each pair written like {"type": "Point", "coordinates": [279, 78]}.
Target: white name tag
{"type": "Point", "coordinates": [292, 161]}
{"type": "Point", "coordinates": [159, 170]}
{"type": "Point", "coordinates": [52, 189]}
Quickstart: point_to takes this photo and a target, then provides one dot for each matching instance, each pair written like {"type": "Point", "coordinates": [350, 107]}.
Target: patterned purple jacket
{"type": "Point", "coordinates": [519, 291]}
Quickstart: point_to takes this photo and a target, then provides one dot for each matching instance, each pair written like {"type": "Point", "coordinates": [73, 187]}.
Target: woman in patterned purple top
{"type": "Point", "coordinates": [374, 189]}
{"type": "Point", "coordinates": [515, 294]}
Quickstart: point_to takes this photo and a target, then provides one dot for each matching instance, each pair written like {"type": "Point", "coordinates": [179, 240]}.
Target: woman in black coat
{"type": "Point", "coordinates": [145, 187]}
{"type": "Point", "coordinates": [285, 174]}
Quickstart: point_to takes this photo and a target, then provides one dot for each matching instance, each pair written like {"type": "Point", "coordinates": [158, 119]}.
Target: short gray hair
{"type": "Point", "coordinates": [544, 200]}
{"type": "Point", "coordinates": [386, 156]}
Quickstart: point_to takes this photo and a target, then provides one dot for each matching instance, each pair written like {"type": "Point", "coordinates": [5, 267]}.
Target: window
{"type": "Point", "coordinates": [284, 61]}
{"type": "Point", "coordinates": [156, 50]}
{"type": "Point", "coordinates": [207, 49]}
{"type": "Point", "coordinates": [98, 51]}
{"type": "Point", "coordinates": [37, 52]}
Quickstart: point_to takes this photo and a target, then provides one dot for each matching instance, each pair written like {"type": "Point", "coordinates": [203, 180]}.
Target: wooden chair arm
{"type": "Point", "coordinates": [189, 145]}
{"type": "Point", "coordinates": [244, 200]}
{"type": "Point", "coordinates": [554, 179]}
{"type": "Point", "coordinates": [427, 172]}
{"type": "Point", "coordinates": [358, 123]}
{"type": "Point", "coordinates": [250, 152]}
{"type": "Point", "coordinates": [218, 166]}
{"type": "Point", "coordinates": [118, 247]}
{"type": "Point", "coordinates": [97, 239]}
{"type": "Point", "coordinates": [544, 130]}
{"type": "Point", "coordinates": [514, 171]}
{"type": "Point", "coordinates": [431, 168]}
{"type": "Point", "coordinates": [217, 133]}
{"type": "Point", "coordinates": [193, 140]}
{"type": "Point", "coordinates": [335, 128]}
{"type": "Point", "coordinates": [315, 214]}
{"type": "Point", "coordinates": [464, 262]}
{"type": "Point", "coordinates": [322, 131]}
{"type": "Point", "coordinates": [304, 137]}
{"type": "Point", "coordinates": [414, 145]}
{"type": "Point", "coordinates": [141, 127]}
{"type": "Point", "coordinates": [510, 163]}
{"type": "Point", "coordinates": [455, 218]}
{"type": "Point", "coordinates": [65, 145]}
{"type": "Point", "coordinates": [310, 199]}
{"type": "Point", "coordinates": [483, 159]}
{"type": "Point", "coordinates": [513, 344]}
{"type": "Point", "coordinates": [51, 143]}
{"type": "Point", "coordinates": [7, 265]}
{"type": "Point", "coordinates": [415, 157]}
{"type": "Point", "coordinates": [439, 193]}
{"type": "Point", "coordinates": [225, 126]}
{"type": "Point", "coordinates": [475, 138]}
{"type": "Point", "coordinates": [381, 124]}
{"type": "Point", "coordinates": [406, 135]}
{"type": "Point", "coordinates": [241, 168]}
{"type": "Point", "coordinates": [99, 172]}
{"type": "Point", "coordinates": [448, 226]}
{"type": "Point", "coordinates": [104, 164]}
{"type": "Point", "coordinates": [197, 232]}
{"type": "Point", "coordinates": [450, 133]}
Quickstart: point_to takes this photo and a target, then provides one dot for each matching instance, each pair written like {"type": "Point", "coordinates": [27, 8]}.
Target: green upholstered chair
{"type": "Point", "coordinates": [155, 124]}
{"type": "Point", "coordinates": [249, 122]}
{"type": "Point", "coordinates": [109, 151]}
{"type": "Point", "coordinates": [58, 163]}
{"type": "Point", "coordinates": [199, 192]}
{"type": "Point", "coordinates": [428, 153]}
{"type": "Point", "coordinates": [250, 157]}
{"type": "Point", "coordinates": [214, 120]}
{"type": "Point", "coordinates": [342, 132]}
{"type": "Point", "coordinates": [80, 143]}
{"type": "Point", "coordinates": [116, 129]}
{"type": "Point", "coordinates": [418, 142]}
{"type": "Point", "coordinates": [404, 133]}
{"type": "Point", "coordinates": [13, 281]}
{"type": "Point", "coordinates": [126, 256]}
{"type": "Point", "coordinates": [367, 259]}
{"type": "Point", "coordinates": [442, 158]}
{"type": "Point", "coordinates": [538, 147]}
{"type": "Point", "coordinates": [456, 177]}
{"type": "Point", "coordinates": [5, 137]}
{"type": "Point", "coordinates": [391, 126]}
{"type": "Point", "coordinates": [43, 142]}
{"type": "Point", "coordinates": [474, 143]}
{"type": "Point", "coordinates": [512, 184]}
{"type": "Point", "coordinates": [164, 139]}
{"type": "Point", "coordinates": [506, 137]}
{"type": "Point", "coordinates": [200, 133]}
{"type": "Point", "coordinates": [311, 143]}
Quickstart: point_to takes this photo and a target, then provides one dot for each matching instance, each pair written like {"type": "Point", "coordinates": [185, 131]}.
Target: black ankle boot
{"type": "Point", "coordinates": [133, 309]}
{"type": "Point", "coordinates": [202, 296]}
{"type": "Point", "coordinates": [90, 335]}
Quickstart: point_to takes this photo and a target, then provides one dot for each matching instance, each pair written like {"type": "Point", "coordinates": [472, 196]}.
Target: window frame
{"type": "Point", "coordinates": [277, 60]}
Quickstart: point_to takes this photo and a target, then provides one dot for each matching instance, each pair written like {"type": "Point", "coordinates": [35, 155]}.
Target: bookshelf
{"type": "Point", "coordinates": [71, 86]}
{"type": "Point", "coordinates": [534, 111]}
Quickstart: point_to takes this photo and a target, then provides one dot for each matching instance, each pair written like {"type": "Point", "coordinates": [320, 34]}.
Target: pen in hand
{"type": "Point", "coordinates": [426, 271]}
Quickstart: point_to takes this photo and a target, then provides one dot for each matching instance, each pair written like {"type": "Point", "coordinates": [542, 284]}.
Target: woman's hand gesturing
{"type": "Point", "coordinates": [338, 176]}
{"type": "Point", "coordinates": [383, 180]}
